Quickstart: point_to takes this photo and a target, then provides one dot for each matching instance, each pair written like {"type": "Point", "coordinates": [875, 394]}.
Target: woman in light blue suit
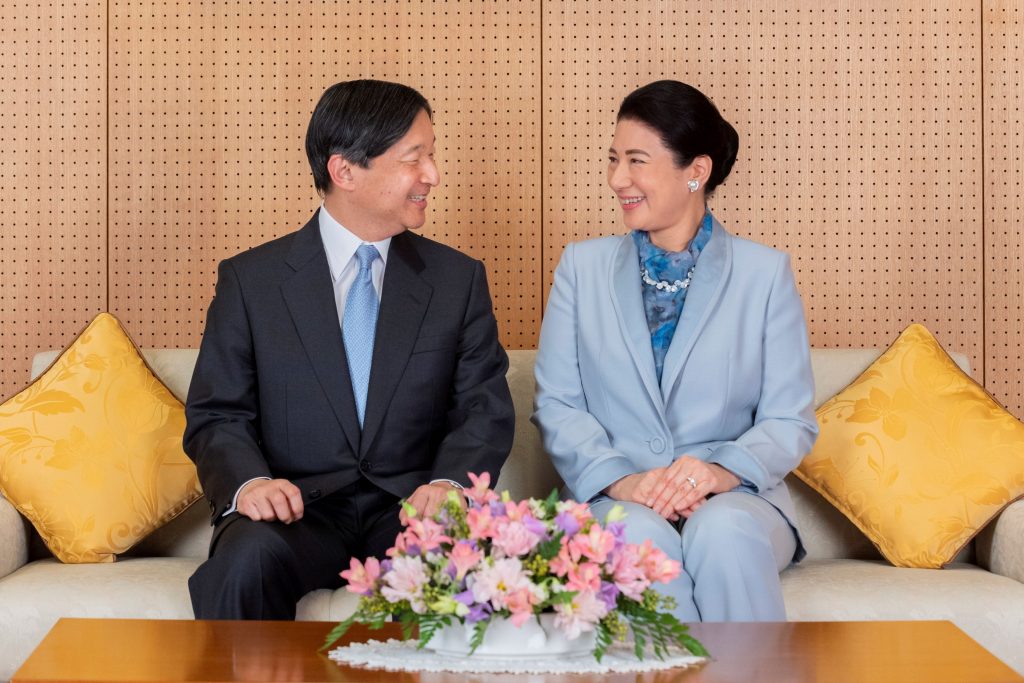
{"type": "Point", "coordinates": [673, 374]}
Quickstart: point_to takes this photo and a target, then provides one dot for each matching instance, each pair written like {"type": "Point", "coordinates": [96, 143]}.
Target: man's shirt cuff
{"type": "Point", "coordinates": [447, 481]}
{"type": "Point", "coordinates": [234, 501]}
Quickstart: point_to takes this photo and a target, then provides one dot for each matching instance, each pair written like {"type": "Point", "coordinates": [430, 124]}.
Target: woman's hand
{"type": "Point", "coordinates": [685, 485]}
{"type": "Point", "coordinates": [636, 488]}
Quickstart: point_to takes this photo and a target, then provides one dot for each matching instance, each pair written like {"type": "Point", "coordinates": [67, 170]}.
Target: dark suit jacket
{"type": "Point", "coordinates": [271, 395]}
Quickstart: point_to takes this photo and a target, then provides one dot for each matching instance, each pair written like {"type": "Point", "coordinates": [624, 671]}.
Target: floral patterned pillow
{"type": "Point", "coordinates": [91, 451]}
{"type": "Point", "coordinates": [916, 454]}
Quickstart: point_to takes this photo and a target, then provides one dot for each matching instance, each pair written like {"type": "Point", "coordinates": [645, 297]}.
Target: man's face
{"type": "Point", "coordinates": [390, 196]}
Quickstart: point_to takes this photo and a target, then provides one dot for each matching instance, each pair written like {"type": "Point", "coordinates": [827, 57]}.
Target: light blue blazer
{"type": "Point", "coordinates": [736, 389]}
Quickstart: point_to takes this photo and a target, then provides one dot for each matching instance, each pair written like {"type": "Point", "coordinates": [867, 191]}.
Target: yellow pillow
{"type": "Point", "coordinates": [91, 451]}
{"type": "Point", "coordinates": [916, 454]}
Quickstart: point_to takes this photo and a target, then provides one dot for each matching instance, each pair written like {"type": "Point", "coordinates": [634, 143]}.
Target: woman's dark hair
{"type": "Point", "coordinates": [359, 120]}
{"type": "Point", "coordinates": [687, 123]}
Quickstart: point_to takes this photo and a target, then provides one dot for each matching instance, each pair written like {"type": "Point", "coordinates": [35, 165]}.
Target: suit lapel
{"type": "Point", "coordinates": [709, 278]}
{"type": "Point", "coordinates": [403, 304]}
{"type": "Point", "coordinates": [628, 302]}
{"type": "Point", "coordinates": [309, 296]}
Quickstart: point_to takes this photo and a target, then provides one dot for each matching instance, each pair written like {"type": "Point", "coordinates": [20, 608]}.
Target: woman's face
{"type": "Point", "coordinates": [651, 188]}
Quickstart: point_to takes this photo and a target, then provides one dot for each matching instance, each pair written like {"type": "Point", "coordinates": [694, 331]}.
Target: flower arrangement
{"type": "Point", "coordinates": [493, 557]}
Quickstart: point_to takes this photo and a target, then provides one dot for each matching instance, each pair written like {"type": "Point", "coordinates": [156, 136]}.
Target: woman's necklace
{"type": "Point", "coordinates": [671, 287]}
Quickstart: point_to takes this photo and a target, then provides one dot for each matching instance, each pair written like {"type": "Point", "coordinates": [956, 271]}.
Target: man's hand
{"type": "Point", "coordinates": [266, 500]}
{"type": "Point", "coordinates": [428, 499]}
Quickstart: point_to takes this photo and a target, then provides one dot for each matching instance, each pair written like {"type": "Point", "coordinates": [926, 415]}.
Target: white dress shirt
{"type": "Point", "coordinates": [341, 246]}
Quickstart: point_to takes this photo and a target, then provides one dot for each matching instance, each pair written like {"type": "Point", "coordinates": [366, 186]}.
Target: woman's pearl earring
{"type": "Point", "coordinates": [693, 184]}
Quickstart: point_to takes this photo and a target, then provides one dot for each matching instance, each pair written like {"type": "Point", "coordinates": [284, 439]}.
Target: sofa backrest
{"type": "Point", "coordinates": [528, 471]}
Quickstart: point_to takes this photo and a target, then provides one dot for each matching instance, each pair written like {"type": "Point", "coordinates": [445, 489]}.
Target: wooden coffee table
{"type": "Point", "coordinates": [834, 652]}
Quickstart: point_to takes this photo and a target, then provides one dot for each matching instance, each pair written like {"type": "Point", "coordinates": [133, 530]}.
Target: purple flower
{"type": "Point", "coordinates": [618, 532]}
{"type": "Point", "coordinates": [478, 613]}
{"type": "Point", "coordinates": [609, 594]}
{"type": "Point", "coordinates": [535, 526]}
{"type": "Point", "coordinates": [567, 523]}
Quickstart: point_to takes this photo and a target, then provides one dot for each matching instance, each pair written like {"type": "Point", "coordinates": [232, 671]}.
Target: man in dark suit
{"type": "Point", "coordinates": [344, 367]}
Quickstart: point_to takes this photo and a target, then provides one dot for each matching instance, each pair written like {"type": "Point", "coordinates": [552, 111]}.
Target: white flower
{"type": "Point", "coordinates": [580, 615]}
{"type": "Point", "coordinates": [405, 581]}
{"type": "Point", "coordinates": [494, 583]}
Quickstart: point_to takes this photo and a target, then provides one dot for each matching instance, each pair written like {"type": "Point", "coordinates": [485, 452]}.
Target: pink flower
{"type": "Point", "coordinates": [495, 583]}
{"type": "Point", "coordinates": [563, 562]}
{"type": "Point", "coordinates": [427, 534]}
{"type": "Point", "coordinates": [517, 511]}
{"type": "Point", "coordinates": [362, 578]}
{"type": "Point", "coordinates": [405, 581]}
{"type": "Point", "coordinates": [580, 615]}
{"type": "Point", "coordinates": [520, 603]}
{"type": "Point", "coordinates": [580, 511]}
{"type": "Point", "coordinates": [656, 564]}
{"type": "Point", "coordinates": [464, 557]}
{"type": "Point", "coordinates": [513, 538]}
{"type": "Point", "coordinates": [628, 573]}
{"type": "Point", "coordinates": [481, 523]}
{"type": "Point", "coordinates": [594, 545]}
{"type": "Point", "coordinates": [584, 577]}
{"type": "Point", "coordinates": [481, 493]}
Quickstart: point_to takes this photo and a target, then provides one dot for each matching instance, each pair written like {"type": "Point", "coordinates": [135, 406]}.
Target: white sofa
{"type": "Point", "coordinates": [843, 577]}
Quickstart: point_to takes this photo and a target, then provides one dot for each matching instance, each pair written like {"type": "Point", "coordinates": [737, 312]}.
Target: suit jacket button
{"type": "Point", "coordinates": [657, 444]}
{"type": "Point", "coordinates": [314, 494]}
{"type": "Point", "coordinates": [213, 506]}
{"type": "Point", "coordinates": [365, 466]}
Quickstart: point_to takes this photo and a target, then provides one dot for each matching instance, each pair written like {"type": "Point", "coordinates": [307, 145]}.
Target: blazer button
{"type": "Point", "coordinates": [314, 494]}
{"type": "Point", "coordinates": [657, 444]}
{"type": "Point", "coordinates": [365, 466]}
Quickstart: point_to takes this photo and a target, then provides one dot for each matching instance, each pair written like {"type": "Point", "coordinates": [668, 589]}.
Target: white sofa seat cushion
{"type": "Point", "coordinates": [34, 597]}
{"type": "Point", "coordinates": [326, 605]}
{"type": "Point", "coordinates": [13, 539]}
{"type": "Point", "coordinates": [986, 606]}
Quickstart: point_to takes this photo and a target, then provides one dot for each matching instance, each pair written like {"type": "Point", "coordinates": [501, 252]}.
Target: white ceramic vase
{"type": "Point", "coordinates": [505, 640]}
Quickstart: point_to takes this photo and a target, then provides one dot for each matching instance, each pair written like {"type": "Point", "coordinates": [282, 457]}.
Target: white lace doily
{"type": "Point", "coordinates": [401, 655]}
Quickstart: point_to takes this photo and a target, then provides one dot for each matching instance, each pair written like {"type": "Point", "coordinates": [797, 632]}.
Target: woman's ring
{"type": "Point", "coordinates": [692, 481]}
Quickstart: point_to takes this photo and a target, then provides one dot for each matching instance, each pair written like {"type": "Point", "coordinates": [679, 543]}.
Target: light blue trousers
{"type": "Point", "coordinates": [732, 550]}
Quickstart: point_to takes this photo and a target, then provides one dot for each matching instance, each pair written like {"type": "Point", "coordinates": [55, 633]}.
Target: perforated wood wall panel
{"type": "Point", "coordinates": [860, 130]}
{"type": "Point", "coordinates": [209, 107]}
{"type": "Point", "coordinates": [881, 147]}
{"type": "Point", "coordinates": [1004, 201]}
{"type": "Point", "coordinates": [52, 178]}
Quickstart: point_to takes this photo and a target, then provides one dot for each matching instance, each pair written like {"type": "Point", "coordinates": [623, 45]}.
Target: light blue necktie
{"type": "Point", "coordinates": [358, 327]}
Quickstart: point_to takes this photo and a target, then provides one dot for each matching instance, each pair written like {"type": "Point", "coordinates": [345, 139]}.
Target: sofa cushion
{"type": "Point", "coordinates": [986, 606]}
{"type": "Point", "coordinates": [528, 472]}
{"type": "Point", "coordinates": [916, 453]}
{"type": "Point", "coordinates": [13, 540]}
{"type": "Point", "coordinates": [33, 598]}
{"type": "Point", "coordinates": [91, 453]}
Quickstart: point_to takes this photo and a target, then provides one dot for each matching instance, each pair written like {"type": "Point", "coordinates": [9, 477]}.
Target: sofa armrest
{"type": "Point", "coordinates": [13, 541]}
{"type": "Point", "coordinates": [1000, 545]}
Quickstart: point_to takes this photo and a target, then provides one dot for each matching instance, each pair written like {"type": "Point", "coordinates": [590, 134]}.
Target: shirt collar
{"type": "Point", "coordinates": [340, 244]}
{"type": "Point", "coordinates": [656, 259]}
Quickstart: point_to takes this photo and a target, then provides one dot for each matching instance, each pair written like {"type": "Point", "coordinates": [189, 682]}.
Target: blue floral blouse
{"type": "Point", "coordinates": [661, 306]}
